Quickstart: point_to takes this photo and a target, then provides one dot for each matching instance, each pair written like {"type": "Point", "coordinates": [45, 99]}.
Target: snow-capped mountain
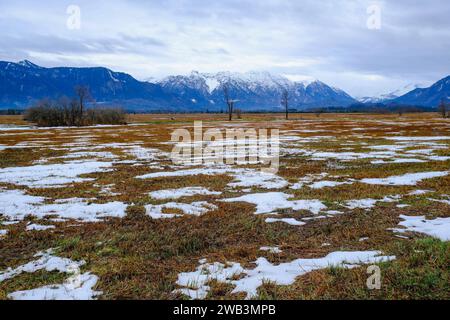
{"type": "Point", "coordinates": [253, 90]}
{"type": "Point", "coordinates": [430, 97]}
{"type": "Point", "coordinates": [384, 97]}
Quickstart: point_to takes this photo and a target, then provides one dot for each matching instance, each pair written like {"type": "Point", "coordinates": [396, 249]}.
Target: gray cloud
{"type": "Point", "coordinates": [328, 40]}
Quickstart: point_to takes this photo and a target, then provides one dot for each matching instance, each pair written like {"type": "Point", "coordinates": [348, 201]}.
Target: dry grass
{"type": "Point", "coordinates": [139, 258]}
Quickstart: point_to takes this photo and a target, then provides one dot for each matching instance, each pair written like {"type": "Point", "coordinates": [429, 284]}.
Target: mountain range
{"type": "Point", "coordinates": [23, 83]}
{"type": "Point", "coordinates": [253, 91]}
{"type": "Point", "coordinates": [384, 97]}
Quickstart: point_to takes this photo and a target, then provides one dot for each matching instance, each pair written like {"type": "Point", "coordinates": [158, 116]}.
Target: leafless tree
{"type": "Point", "coordinates": [238, 113]}
{"type": "Point", "coordinates": [230, 102]}
{"type": "Point", "coordinates": [83, 94]}
{"type": "Point", "coordinates": [319, 112]}
{"type": "Point", "coordinates": [443, 108]}
{"type": "Point", "coordinates": [285, 102]}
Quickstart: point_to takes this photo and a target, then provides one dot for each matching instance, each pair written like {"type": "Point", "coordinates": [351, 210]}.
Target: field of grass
{"type": "Point", "coordinates": [370, 175]}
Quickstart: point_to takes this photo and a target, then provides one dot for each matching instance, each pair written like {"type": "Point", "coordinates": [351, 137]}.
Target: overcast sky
{"type": "Point", "coordinates": [328, 40]}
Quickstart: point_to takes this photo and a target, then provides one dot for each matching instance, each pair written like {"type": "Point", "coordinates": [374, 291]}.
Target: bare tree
{"type": "Point", "coordinates": [238, 113]}
{"type": "Point", "coordinates": [83, 94]}
{"type": "Point", "coordinates": [285, 102]}
{"type": "Point", "coordinates": [228, 101]}
{"type": "Point", "coordinates": [443, 108]}
{"type": "Point", "coordinates": [319, 112]}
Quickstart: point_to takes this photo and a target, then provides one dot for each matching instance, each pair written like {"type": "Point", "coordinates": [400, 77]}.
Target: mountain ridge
{"type": "Point", "coordinates": [254, 90]}
{"type": "Point", "coordinates": [23, 83]}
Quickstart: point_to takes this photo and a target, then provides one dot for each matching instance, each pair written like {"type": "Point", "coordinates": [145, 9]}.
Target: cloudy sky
{"type": "Point", "coordinates": [364, 47]}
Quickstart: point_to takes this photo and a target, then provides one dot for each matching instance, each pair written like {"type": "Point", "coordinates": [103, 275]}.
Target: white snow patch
{"type": "Point", "coordinates": [196, 283]}
{"type": "Point", "coordinates": [244, 177]}
{"type": "Point", "coordinates": [180, 193]}
{"type": "Point", "coordinates": [290, 221]}
{"type": "Point", "coordinates": [328, 184]}
{"type": "Point", "coordinates": [144, 154]}
{"type": "Point", "coordinates": [431, 138]}
{"type": "Point", "coordinates": [88, 154]}
{"type": "Point", "coordinates": [369, 203]}
{"type": "Point", "coordinates": [16, 205]}
{"type": "Point", "coordinates": [401, 160]}
{"type": "Point", "coordinates": [195, 208]}
{"type": "Point", "coordinates": [419, 192]}
{"type": "Point", "coordinates": [38, 227]}
{"type": "Point", "coordinates": [76, 287]}
{"type": "Point", "coordinates": [271, 249]}
{"type": "Point", "coordinates": [55, 175]}
{"type": "Point", "coordinates": [83, 290]}
{"type": "Point", "coordinates": [409, 179]}
{"type": "Point", "coordinates": [47, 261]}
{"type": "Point", "coordinates": [272, 201]}
{"type": "Point", "coordinates": [438, 228]}
{"type": "Point", "coordinates": [307, 180]}
{"type": "Point", "coordinates": [258, 179]}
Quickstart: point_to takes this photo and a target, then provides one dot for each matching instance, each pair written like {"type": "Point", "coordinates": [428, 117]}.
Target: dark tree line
{"type": "Point", "coordinates": [73, 112]}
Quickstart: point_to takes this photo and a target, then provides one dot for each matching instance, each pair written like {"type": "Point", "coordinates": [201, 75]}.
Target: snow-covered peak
{"type": "Point", "coordinates": [254, 88]}
{"type": "Point", "coordinates": [212, 81]}
{"type": "Point", "coordinates": [28, 64]}
{"type": "Point", "coordinates": [404, 90]}
{"type": "Point", "coordinates": [381, 97]}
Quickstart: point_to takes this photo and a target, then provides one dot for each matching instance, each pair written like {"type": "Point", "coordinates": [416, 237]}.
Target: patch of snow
{"type": "Point", "coordinates": [290, 221]}
{"type": "Point", "coordinates": [144, 154]}
{"type": "Point", "coordinates": [88, 154]}
{"type": "Point", "coordinates": [38, 227]}
{"type": "Point", "coordinates": [441, 201]}
{"type": "Point", "coordinates": [258, 179]}
{"type": "Point", "coordinates": [409, 179]}
{"type": "Point", "coordinates": [212, 84]}
{"type": "Point", "coordinates": [271, 249]}
{"type": "Point", "coordinates": [195, 208]}
{"type": "Point", "coordinates": [272, 201]}
{"type": "Point", "coordinates": [438, 228]}
{"type": "Point", "coordinates": [16, 205]}
{"type": "Point", "coordinates": [368, 203]}
{"type": "Point", "coordinates": [180, 193]}
{"type": "Point", "coordinates": [83, 290]}
{"type": "Point", "coordinates": [401, 160]}
{"type": "Point", "coordinates": [47, 261]}
{"type": "Point", "coordinates": [50, 176]}
{"type": "Point", "coordinates": [327, 184]}
{"type": "Point", "coordinates": [389, 147]}
{"type": "Point", "coordinates": [244, 177]}
{"type": "Point", "coordinates": [76, 287]}
{"type": "Point", "coordinates": [307, 180]}
{"type": "Point", "coordinates": [419, 192]}
{"type": "Point", "coordinates": [438, 158]}
{"type": "Point", "coordinates": [196, 283]}
{"type": "Point", "coordinates": [431, 138]}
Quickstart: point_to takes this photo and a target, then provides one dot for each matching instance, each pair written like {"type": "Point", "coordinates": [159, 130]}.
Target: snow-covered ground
{"type": "Point", "coordinates": [284, 197]}
{"type": "Point", "coordinates": [437, 228]}
{"type": "Point", "coordinates": [195, 284]}
{"type": "Point", "coordinates": [182, 192]}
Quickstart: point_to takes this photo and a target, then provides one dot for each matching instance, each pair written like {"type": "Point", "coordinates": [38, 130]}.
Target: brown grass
{"type": "Point", "coordinates": [140, 258]}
